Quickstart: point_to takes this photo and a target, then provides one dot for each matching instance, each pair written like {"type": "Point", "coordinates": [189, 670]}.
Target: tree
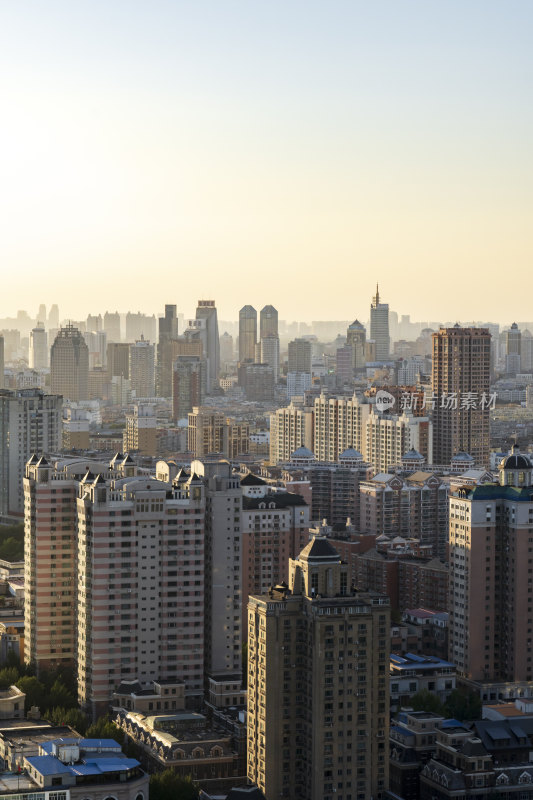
{"type": "Point", "coordinates": [34, 690]}
{"type": "Point", "coordinates": [104, 728]}
{"type": "Point", "coordinates": [463, 704]}
{"type": "Point", "coordinates": [73, 717]}
{"type": "Point", "coordinates": [424, 700]}
{"type": "Point", "coordinates": [8, 676]}
{"type": "Point", "coordinates": [167, 785]}
{"type": "Point", "coordinates": [13, 660]}
{"type": "Point", "coordinates": [60, 696]}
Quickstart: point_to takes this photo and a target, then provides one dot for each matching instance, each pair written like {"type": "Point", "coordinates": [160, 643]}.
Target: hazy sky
{"type": "Point", "coordinates": [256, 151]}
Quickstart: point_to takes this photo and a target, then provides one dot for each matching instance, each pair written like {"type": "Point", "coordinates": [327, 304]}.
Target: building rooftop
{"type": "Point", "coordinates": [274, 499]}
{"type": "Point", "coordinates": [319, 549]}
{"type": "Point", "coordinates": [411, 662]}
{"type": "Point", "coordinates": [252, 480]}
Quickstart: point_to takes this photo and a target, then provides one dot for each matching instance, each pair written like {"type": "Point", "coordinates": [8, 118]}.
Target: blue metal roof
{"type": "Point", "coordinates": [105, 744]}
{"type": "Point", "coordinates": [48, 765]}
{"type": "Point", "coordinates": [86, 769]}
{"type": "Point", "coordinates": [112, 764]}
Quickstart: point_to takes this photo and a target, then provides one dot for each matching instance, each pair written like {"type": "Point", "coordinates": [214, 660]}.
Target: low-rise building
{"type": "Point", "coordinates": [184, 741]}
{"type": "Point", "coordinates": [410, 674]}
{"type": "Point", "coordinates": [75, 767]}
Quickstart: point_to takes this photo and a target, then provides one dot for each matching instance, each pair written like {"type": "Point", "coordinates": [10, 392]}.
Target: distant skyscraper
{"type": "Point", "coordinates": [314, 734]}
{"type": "Point", "coordinates": [247, 333]}
{"type": "Point", "coordinates": [142, 368]}
{"type": "Point", "coordinates": [69, 365]}
{"type": "Point", "coordinates": [513, 349]}
{"type": "Point", "coordinates": [270, 353]}
{"type": "Point", "coordinates": [112, 326]}
{"type": "Point", "coordinates": [1, 362]}
{"type": "Point", "coordinates": [53, 317]}
{"type": "Point", "coordinates": [94, 322]}
{"type": "Point", "coordinates": [38, 353]}
{"type": "Point", "coordinates": [300, 352]}
{"type": "Point", "coordinates": [379, 327]}
{"type": "Point", "coordinates": [30, 422]}
{"type": "Point", "coordinates": [188, 385]}
{"type": "Point", "coordinates": [268, 322]}
{"type": "Point", "coordinates": [118, 359]}
{"type": "Point", "coordinates": [226, 348]}
{"type": "Point", "coordinates": [206, 310]}
{"type": "Point", "coordinates": [168, 333]}
{"type": "Point", "coordinates": [461, 386]}
{"type": "Point", "coordinates": [41, 314]}
{"type": "Point", "coordinates": [140, 326]}
{"type": "Point", "coordinates": [356, 339]}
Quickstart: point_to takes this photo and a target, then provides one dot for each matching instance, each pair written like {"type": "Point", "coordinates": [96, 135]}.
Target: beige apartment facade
{"type": "Point", "coordinates": [318, 709]}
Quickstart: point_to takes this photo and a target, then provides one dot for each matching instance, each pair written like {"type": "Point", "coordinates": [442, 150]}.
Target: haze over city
{"type": "Point", "coordinates": [266, 400]}
{"type": "Point", "coordinates": [202, 146]}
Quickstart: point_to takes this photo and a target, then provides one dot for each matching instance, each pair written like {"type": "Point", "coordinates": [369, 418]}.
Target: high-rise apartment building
{"type": "Point", "coordinates": [168, 333]}
{"type": "Point", "coordinates": [247, 333]}
{"type": "Point", "coordinates": [268, 322]}
{"type": "Point", "coordinates": [118, 360]}
{"type": "Point", "coordinates": [69, 365]}
{"type": "Point", "coordinates": [339, 424]}
{"type": "Point", "coordinates": [223, 568]}
{"type": "Point", "coordinates": [491, 593]}
{"type": "Point", "coordinates": [298, 383]}
{"type": "Point", "coordinates": [258, 381]}
{"type": "Point", "coordinates": [30, 422]}
{"type": "Point", "coordinates": [275, 527]}
{"type": "Point", "coordinates": [189, 379]}
{"type": "Point", "coordinates": [387, 437]}
{"type": "Point", "coordinates": [207, 312]}
{"type": "Point", "coordinates": [2, 362]}
{"type": "Point", "coordinates": [76, 428]}
{"type": "Point", "coordinates": [415, 506]}
{"type": "Point", "coordinates": [142, 368]}
{"type": "Point", "coordinates": [127, 554]}
{"type": "Point", "coordinates": [205, 433]}
{"type": "Point", "coordinates": [210, 433]}
{"type": "Point", "coordinates": [112, 326]}
{"type": "Point", "coordinates": [226, 350]}
{"type": "Point", "coordinates": [461, 388]}
{"type": "Point", "coordinates": [97, 343]}
{"type": "Point", "coordinates": [53, 317]}
{"type": "Point", "coordinates": [94, 322]}
{"type": "Point", "coordinates": [50, 564]}
{"type": "Point", "coordinates": [379, 327]}
{"type": "Point", "coordinates": [300, 353]}
{"type": "Point", "coordinates": [513, 349]}
{"type": "Point", "coordinates": [38, 352]}
{"type": "Point", "coordinates": [140, 326]}
{"type": "Point", "coordinates": [335, 489]}
{"type": "Point", "coordinates": [270, 353]}
{"type": "Point", "coordinates": [290, 428]}
{"type": "Point", "coordinates": [140, 433]}
{"type": "Point", "coordinates": [318, 673]}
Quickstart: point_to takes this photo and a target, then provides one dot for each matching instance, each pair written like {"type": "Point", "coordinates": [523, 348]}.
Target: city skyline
{"type": "Point", "coordinates": [357, 141]}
